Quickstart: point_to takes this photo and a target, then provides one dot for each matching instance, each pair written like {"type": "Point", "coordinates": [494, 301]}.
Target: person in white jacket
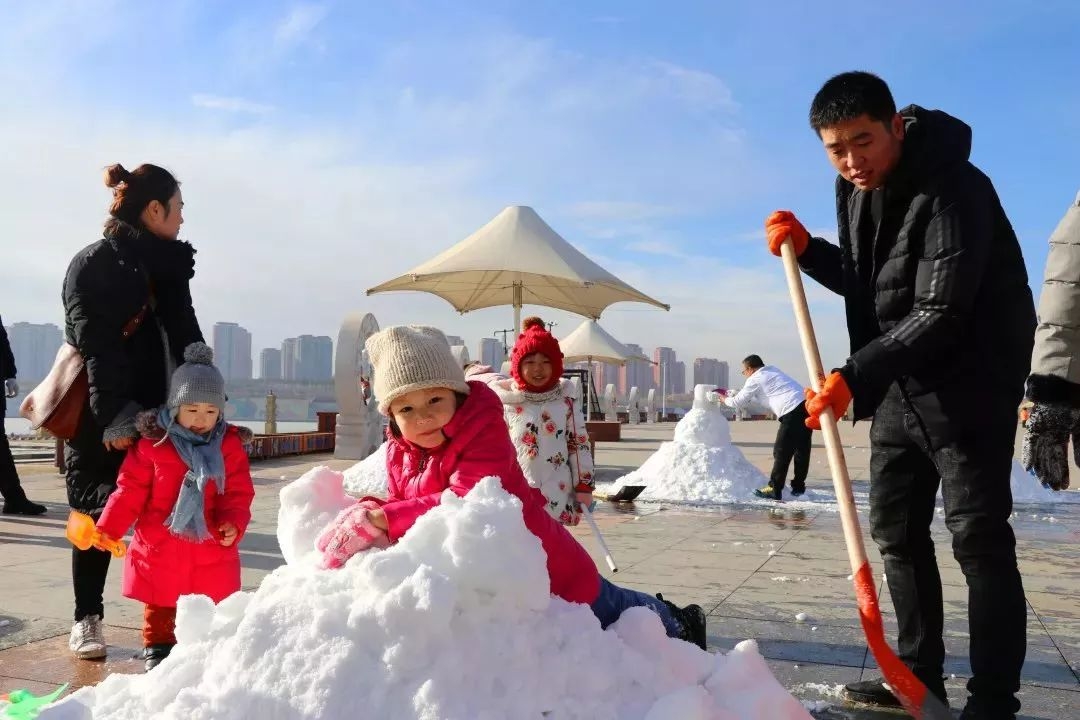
{"type": "Point", "coordinates": [546, 422]}
{"type": "Point", "coordinates": [767, 386]}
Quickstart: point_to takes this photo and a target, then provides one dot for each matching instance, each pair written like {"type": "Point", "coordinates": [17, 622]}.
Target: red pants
{"type": "Point", "coordinates": [159, 624]}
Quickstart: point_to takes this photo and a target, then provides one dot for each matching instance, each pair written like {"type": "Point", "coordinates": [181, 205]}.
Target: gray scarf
{"type": "Point", "coordinates": [206, 464]}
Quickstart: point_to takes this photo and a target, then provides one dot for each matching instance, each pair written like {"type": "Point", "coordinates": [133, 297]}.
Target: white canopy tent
{"type": "Point", "coordinates": [592, 343]}
{"type": "Point", "coordinates": [517, 259]}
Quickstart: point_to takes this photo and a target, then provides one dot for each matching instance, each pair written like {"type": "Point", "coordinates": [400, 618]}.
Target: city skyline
{"type": "Point", "coordinates": [231, 340]}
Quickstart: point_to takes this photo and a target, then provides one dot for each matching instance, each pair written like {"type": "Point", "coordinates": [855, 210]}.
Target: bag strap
{"type": "Point", "coordinates": [133, 324]}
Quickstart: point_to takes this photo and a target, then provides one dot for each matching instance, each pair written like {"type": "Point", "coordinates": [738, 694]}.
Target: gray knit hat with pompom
{"type": "Point", "coordinates": [197, 380]}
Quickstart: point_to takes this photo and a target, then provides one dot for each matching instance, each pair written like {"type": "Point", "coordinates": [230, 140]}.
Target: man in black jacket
{"type": "Point", "coordinates": [15, 500]}
{"type": "Point", "coordinates": [941, 322]}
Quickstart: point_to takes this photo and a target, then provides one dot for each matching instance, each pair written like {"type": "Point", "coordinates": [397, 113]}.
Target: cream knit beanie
{"type": "Point", "coordinates": [412, 357]}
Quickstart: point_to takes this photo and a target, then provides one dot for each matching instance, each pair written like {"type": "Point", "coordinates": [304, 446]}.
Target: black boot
{"type": "Point", "coordinates": [874, 692]}
{"type": "Point", "coordinates": [154, 654]}
{"type": "Point", "coordinates": [16, 503]}
{"type": "Point", "coordinates": [692, 621]}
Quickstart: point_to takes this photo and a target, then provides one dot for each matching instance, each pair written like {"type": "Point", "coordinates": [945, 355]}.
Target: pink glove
{"type": "Point", "coordinates": [350, 532]}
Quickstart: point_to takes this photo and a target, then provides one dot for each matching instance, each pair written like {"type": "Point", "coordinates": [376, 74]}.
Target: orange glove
{"type": "Point", "coordinates": [782, 224]}
{"type": "Point", "coordinates": [836, 395]}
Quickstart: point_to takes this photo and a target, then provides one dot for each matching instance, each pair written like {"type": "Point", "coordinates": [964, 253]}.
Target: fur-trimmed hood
{"type": "Point", "coordinates": [511, 392]}
{"type": "Point", "coordinates": [147, 424]}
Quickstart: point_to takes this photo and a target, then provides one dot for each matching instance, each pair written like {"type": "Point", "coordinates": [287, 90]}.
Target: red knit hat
{"type": "Point", "coordinates": [536, 339]}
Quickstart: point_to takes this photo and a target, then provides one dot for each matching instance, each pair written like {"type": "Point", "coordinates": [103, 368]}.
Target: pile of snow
{"type": "Point", "coordinates": [453, 622]}
{"type": "Point", "coordinates": [700, 465]}
{"type": "Point", "coordinates": [703, 426]}
{"type": "Point", "coordinates": [368, 477]}
{"type": "Point", "coordinates": [1027, 490]}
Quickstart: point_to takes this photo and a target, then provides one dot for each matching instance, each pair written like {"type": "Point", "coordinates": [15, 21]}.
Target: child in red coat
{"type": "Point", "coordinates": [187, 488]}
{"type": "Point", "coordinates": [446, 433]}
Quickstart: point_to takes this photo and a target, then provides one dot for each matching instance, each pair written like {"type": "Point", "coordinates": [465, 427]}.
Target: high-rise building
{"type": "Point", "coordinates": [663, 368]}
{"type": "Point", "coordinates": [232, 351]}
{"type": "Point", "coordinates": [290, 358]}
{"type": "Point", "coordinates": [270, 364]}
{"type": "Point", "coordinates": [491, 352]}
{"type": "Point", "coordinates": [636, 373]}
{"type": "Point", "coordinates": [316, 360]}
{"type": "Point", "coordinates": [710, 371]}
{"type": "Point", "coordinates": [677, 383]}
{"type": "Point", "coordinates": [34, 347]}
{"type": "Point", "coordinates": [454, 340]}
{"type": "Point", "coordinates": [605, 374]}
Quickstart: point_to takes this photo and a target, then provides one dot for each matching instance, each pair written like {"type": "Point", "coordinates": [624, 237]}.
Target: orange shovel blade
{"type": "Point", "coordinates": [81, 530]}
{"type": "Point", "coordinates": [84, 535]}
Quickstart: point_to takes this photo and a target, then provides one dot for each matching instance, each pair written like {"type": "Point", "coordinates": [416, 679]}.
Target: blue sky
{"type": "Point", "coordinates": [326, 147]}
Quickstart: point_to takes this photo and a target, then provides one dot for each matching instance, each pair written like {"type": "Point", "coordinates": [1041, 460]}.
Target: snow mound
{"type": "Point", "coordinates": [703, 427]}
{"type": "Point", "coordinates": [695, 475]}
{"type": "Point", "coordinates": [453, 622]}
{"type": "Point", "coordinates": [699, 466]}
{"type": "Point", "coordinates": [1027, 490]}
{"type": "Point", "coordinates": [307, 505]}
{"type": "Point", "coordinates": [368, 477]}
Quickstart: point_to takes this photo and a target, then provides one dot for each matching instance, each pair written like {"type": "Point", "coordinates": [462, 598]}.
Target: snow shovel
{"type": "Point", "coordinates": [907, 688]}
{"type": "Point", "coordinates": [627, 493]}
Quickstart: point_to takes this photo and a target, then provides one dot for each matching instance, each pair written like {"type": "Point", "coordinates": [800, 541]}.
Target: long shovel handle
{"type": "Point", "coordinates": [911, 691]}
{"type": "Point", "coordinates": [599, 538]}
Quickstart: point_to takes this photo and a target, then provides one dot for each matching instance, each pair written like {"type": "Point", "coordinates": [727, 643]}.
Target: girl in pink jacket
{"type": "Point", "coordinates": [187, 488]}
{"type": "Point", "coordinates": [448, 433]}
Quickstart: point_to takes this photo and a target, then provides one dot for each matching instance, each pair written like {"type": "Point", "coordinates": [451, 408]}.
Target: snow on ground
{"type": "Point", "coordinates": [368, 477]}
{"type": "Point", "coordinates": [454, 622]}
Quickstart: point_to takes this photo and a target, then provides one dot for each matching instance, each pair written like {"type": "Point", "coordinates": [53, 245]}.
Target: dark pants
{"type": "Point", "coordinates": [10, 487]}
{"type": "Point", "coordinates": [91, 477]}
{"type": "Point", "coordinates": [89, 569]}
{"type": "Point", "coordinates": [792, 441]}
{"type": "Point", "coordinates": [613, 600]}
{"type": "Point", "coordinates": [905, 471]}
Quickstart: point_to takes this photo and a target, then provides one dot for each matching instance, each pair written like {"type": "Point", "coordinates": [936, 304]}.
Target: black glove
{"type": "Point", "coordinates": [1046, 443]}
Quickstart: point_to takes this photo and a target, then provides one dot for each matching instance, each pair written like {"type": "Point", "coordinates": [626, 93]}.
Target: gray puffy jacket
{"type": "Point", "coordinates": [1055, 362]}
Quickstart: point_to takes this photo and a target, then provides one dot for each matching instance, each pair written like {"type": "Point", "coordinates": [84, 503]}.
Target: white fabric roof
{"type": "Point", "coordinates": [517, 259]}
{"type": "Point", "coordinates": [589, 341]}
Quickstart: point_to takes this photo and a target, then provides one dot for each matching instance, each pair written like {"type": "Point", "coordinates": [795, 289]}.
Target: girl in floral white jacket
{"type": "Point", "coordinates": [546, 422]}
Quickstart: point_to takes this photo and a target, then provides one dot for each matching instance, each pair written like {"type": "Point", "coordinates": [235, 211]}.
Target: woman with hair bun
{"type": "Point", "coordinates": [128, 310]}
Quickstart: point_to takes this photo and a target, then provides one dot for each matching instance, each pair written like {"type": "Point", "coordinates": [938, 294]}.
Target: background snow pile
{"type": "Point", "coordinates": [368, 477]}
{"type": "Point", "coordinates": [1027, 490]}
{"type": "Point", "coordinates": [700, 465]}
{"type": "Point", "coordinates": [455, 621]}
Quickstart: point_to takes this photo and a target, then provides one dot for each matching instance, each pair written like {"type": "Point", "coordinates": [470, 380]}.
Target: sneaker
{"type": "Point", "coordinates": [797, 491]}
{"type": "Point", "coordinates": [154, 654]}
{"type": "Point", "coordinates": [692, 621]}
{"type": "Point", "coordinates": [24, 507]}
{"type": "Point", "coordinates": [767, 492]}
{"type": "Point", "coordinates": [87, 638]}
{"type": "Point", "coordinates": [876, 692]}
